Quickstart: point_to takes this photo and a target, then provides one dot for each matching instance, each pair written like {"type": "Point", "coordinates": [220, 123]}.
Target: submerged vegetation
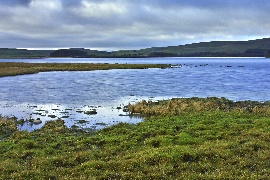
{"type": "Point", "coordinates": [209, 138]}
{"type": "Point", "coordinates": [13, 69]}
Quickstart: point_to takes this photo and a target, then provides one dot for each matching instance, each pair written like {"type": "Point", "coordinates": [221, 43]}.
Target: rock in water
{"type": "Point", "coordinates": [37, 121]}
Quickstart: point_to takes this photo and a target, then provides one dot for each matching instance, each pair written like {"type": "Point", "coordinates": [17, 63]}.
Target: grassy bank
{"type": "Point", "coordinates": [211, 138]}
{"type": "Point", "coordinates": [13, 69]}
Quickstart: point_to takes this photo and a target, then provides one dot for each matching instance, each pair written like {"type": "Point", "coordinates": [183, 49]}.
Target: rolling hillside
{"type": "Point", "coordinates": [251, 48]}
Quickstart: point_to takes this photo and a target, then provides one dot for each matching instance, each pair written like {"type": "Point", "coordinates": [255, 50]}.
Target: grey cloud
{"type": "Point", "coordinates": [15, 2]}
{"type": "Point", "coordinates": [71, 3]}
{"type": "Point", "coordinates": [208, 4]}
{"type": "Point", "coordinates": [125, 24]}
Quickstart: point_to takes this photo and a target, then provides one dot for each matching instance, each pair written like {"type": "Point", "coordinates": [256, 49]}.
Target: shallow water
{"type": "Point", "coordinates": [63, 94]}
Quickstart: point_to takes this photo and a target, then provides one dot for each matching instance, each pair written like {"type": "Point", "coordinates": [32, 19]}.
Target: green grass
{"type": "Point", "coordinates": [211, 142]}
{"type": "Point", "coordinates": [13, 69]}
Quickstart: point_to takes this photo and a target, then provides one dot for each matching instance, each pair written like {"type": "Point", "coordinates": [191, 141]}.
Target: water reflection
{"type": "Point", "coordinates": [73, 116]}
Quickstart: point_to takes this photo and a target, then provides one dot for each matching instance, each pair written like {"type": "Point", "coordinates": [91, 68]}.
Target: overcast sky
{"type": "Point", "coordinates": [129, 24]}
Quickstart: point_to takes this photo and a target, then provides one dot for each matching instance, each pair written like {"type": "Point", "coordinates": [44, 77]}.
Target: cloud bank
{"type": "Point", "coordinates": [127, 24]}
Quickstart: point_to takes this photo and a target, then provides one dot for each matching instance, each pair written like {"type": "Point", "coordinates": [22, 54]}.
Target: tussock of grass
{"type": "Point", "coordinates": [228, 141]}
{"type": "Point", "coordinates": [7, 126]}
{"type": "Point", "coordinates": [182, 106]}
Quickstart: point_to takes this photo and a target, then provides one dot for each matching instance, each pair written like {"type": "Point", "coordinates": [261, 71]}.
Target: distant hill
{"type": "Point", "coordinates": [267, 54]}
{"type": "Point", "coordinates": [251, 48]}
{"type": "Point", "coordinates": [23, 53]}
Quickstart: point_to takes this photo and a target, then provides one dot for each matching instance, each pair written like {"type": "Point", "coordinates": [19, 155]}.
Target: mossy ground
{"type": "Point", "coordinates": [218, 140]}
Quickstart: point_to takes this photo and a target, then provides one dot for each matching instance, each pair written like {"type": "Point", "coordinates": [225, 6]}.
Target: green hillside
{"type": "Point", "coordinates": [251, 48]}
{"type": "Point", "coordinates": [23, 53]}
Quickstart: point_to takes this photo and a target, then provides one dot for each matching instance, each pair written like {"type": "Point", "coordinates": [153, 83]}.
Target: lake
{"type": "Point", "coordinates": [52, 95]}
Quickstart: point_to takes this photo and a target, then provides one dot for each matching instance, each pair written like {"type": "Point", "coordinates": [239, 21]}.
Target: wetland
{"type": "Point", "coordinates": [183, 132]}
{"type": "Point", "coordinates": [67, 87]}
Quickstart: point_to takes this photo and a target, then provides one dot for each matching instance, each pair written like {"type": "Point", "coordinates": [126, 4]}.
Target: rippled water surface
{"type": "Point", "coordinates": [67, 94]}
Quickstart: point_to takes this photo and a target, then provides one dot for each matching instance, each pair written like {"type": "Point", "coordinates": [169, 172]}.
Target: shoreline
{"type": "Point", "coordinates": [19, 68]}
{"type": "Point", "coordinates": [139, 110]}
{"type": "Point", "coordinates": [208, 143]}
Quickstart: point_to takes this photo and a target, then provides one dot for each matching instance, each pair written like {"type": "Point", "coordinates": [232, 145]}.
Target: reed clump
{"type": "Point", "coordinates": [180, 106]}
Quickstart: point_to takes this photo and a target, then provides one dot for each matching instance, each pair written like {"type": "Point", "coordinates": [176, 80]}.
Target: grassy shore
{"type": "Point", "coordinates": [195, 138]}
{"type": "Point", "coordinates": [13, 69]}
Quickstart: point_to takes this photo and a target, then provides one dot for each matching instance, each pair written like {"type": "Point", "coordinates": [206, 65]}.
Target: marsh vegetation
{"type": "Point", "coordinates": [193, 138]}
{"type": "Point", "coordinates": [13, 69]}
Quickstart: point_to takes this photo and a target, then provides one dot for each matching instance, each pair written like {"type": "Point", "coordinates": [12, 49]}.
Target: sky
{"type": "Point", "coordinates": [129, 24]}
